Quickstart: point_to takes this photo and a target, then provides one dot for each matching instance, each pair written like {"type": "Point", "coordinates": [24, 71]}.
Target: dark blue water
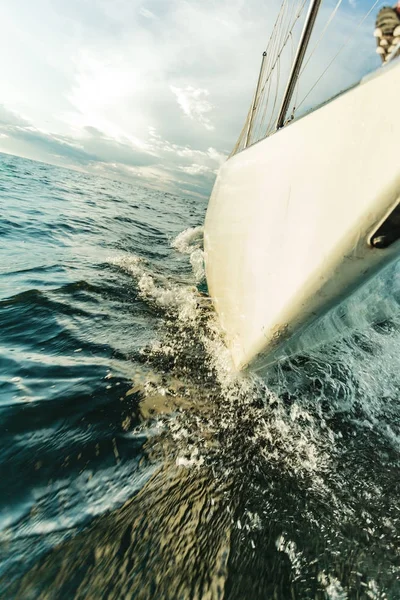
{"type": "Point", "coordinates": [134, 463]}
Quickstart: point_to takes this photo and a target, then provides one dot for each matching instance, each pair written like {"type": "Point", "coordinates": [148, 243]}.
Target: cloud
{"type": "Point", "coordinates": [149, 88]}
{"type": "Point", "coordinates": [195, 169]}
{"type": "Point", "coordinates": [194, 103]}
{"type": "Point", "coordinates": [108, 149]}
{"type": "Point", "coordinates": [145, 12]}
{"type": "Point", "coordinates": [90, 147]}
{"type": "Point", "coordinates": [160, 165]}
{"type": "Point", "coordinates": [10, 118]}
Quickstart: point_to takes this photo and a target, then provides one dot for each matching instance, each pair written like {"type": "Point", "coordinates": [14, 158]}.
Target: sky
{"type": "Point", "coordinates": [154, 91]}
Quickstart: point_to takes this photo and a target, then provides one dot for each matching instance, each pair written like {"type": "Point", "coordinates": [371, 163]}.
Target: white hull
{"type": "Point", "coordinates": [289, 220]}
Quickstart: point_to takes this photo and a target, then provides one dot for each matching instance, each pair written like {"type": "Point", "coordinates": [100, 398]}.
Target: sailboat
{"type": "Point", "coordinates": [303, 214]}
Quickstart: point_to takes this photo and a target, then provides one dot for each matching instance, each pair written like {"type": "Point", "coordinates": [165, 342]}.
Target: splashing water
{"type": "Point", "coordinates": [206, 483]}
{"type": "Point", "coordinates": [282, 487]}
{"type": "Point", "coordinates": [189, 240]}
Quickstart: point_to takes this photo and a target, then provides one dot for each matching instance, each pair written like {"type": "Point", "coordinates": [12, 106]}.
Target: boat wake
{"type": "Point", "coordinates": [281, 487]}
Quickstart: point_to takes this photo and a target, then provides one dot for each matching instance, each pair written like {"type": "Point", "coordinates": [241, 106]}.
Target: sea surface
{"type": "Point", "coordinates": [134, 463]}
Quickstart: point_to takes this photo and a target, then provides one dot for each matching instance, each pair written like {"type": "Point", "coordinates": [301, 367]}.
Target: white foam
{"type": "Point", "coordinates": [283, 421]}
{"type": "Point", "coordinates": [296, 433]}
{"type": "Point", "coordinates": [197, 262]}
{"type": "Point", "coordinates": [189, 240]}
{"type": "Point", "coordinates": [333, 588]}
{"type": "Point", "coordinates": [158, 289]}
{"type": "Point", "coordinates": [290, 549]}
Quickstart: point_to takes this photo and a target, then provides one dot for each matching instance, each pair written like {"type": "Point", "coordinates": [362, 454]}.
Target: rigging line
{"type": "Point", "coordinates": [296, 92]}
{"type": "Point", "coordinates": [275, 99]}
{"type": "Point", "coordinates": [292, 50]}
{"type": "Point", "coordinates": [273, 35]}
{"type": "Point", "coordinates": [266, 128]}
{"type": "Point", "coordinates": [278, 40]}
{"type": "Point", "coordinates": [270, 125]}
{"type": "Point", "coordinates": [253, 105]}
{"type": "Point", "coordinates": [293, 104]}
{"type": "Point", "coordinates": [273, 44]}
{"type": "Point", "coordinates": [263, 97]}
{"type": "Point", "coordinates": [290, 23]}
{"type": "Point", "coordinates": [269, 50]}
{"type": "Point", "coordinates": [286, 34]}
{"type": "Point", "coordinates": [258, 97]}
{"type": "Point", "coordinates": [339, 51]}
{"type": "Point", "coordinates": [263, 113]}
{"type": "Point", "coordinates": [321, 36]}
{"type": "Point", "coordinates": [295, 9]}
{"type": "Point", "coordinates": [285, 24]}
{"type": "Point", "coordinates": [276, 22]}
{"type": "Point", "coordinates": [266, 106]}
{"type": "Point", "coordinates": [287, 38]}
{"type": "Point", "coordinates": [251, 114]}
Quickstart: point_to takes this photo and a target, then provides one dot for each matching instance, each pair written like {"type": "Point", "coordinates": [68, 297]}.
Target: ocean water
{"type": "Point", "coordinates": [134, 462]}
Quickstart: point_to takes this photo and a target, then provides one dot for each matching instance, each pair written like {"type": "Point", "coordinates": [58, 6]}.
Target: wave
{"type": "Point", "coordinates": [281, 486]}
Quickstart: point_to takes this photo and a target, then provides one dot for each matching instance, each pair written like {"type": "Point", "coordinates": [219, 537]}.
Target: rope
{"type": "Point", "coordinates": [261, 115]}
{"type": "Point", "coordinates": [321, 36]}
{"type": "Point", "coordinates": [287, 37]}
{"type": "Point", "coordinates": [339, 51]}
{"type": "Point", "coordinates": [284, 38]}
